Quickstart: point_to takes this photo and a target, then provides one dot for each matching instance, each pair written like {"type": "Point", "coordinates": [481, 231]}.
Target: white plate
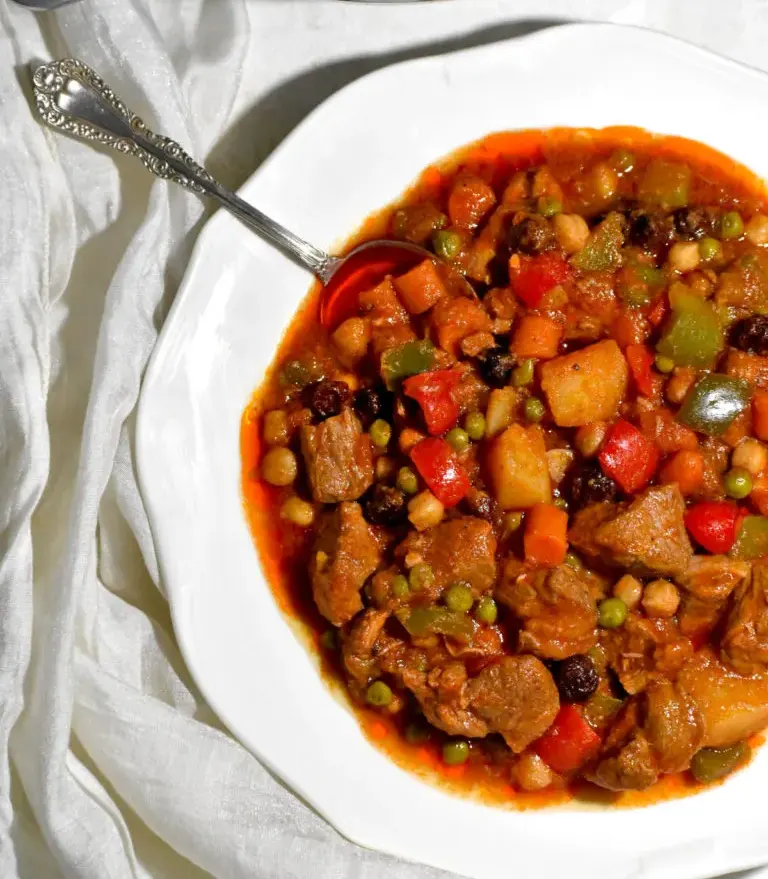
{"type": "Point", "coordinates": [353, 155]}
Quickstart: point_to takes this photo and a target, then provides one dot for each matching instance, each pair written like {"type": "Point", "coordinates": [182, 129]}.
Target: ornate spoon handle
{"type": "Point", "coordinates": [73, 99]}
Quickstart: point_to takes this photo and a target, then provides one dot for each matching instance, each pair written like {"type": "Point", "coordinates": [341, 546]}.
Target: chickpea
{"type": "Point", "coordinates": [425, 510]}
{"type": "Point", "coordinates": [630, 590]}
{"type": "Point", "coordinates": [532, 773]}
{"type": "Point", "coordinates": [684, 256]}
{"type": "Point", "coordinates": [680, 383]}
{"type": "Point", "coordinates": [590, 437]}
{"type": "Point", "coordinates": [275, 427]}
{"type": "Point", "coordinates": [757, 229]}
{"type": "Point", "coordinates": [351, 339]}
{"type": "Point", "coordinates": [279, 466]}
{"type": "Point", "coordinates": [661, 599]}
{"type": "Point", "coordinates": [385, 467]}
{"type": "Point", "coordinates": [298, 512]}
{"type": "Point", "coordinates": [571, 231]}
{"type": "Point", "coordinates": [751, 455]}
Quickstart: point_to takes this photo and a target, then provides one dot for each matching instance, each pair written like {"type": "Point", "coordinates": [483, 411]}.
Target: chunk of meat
{"type": "Point", "coordinates": [338, 458]}
{"type": "Point", "coordinates": [745, 642]}
{"type": "Point", "coordinates": [345, 554]}
{"type": "Point", "coordinates": [358, 649]}
{"type": "Point", "coordinates": [456, 318]}
{"type": "Point", "coordinates": [648, 536]}
{"type": "Point", "coordinates": [657, 732]}
{"type": "Point", "coordinates": [463, 549]}
{"type": "Point", "coordinates": [645, 649]}
{"type": "Point", "coordinates": [674, 725]}
{"type": "Point", "coordinates": [517, 697]}
{"type": "Point", "coordinates": [733, 707]}
{"type": "Point", "coordinates": [557, 610]}
{"type": "Point", "coordinates": [442, 695]}
{"type": "Point", "coordinates": [744, 285]}
{"type": "Point", "coordinates": [713, 577]}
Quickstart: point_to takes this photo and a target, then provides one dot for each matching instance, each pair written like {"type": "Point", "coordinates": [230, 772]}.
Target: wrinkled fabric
{"type": "Point", "coordinates": [111, 763]}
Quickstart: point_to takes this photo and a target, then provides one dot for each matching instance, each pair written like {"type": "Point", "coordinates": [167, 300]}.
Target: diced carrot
{"type": "Point", "coordinates": [660, 426]}
{"type": "Point", "coordinates": [378, 730]}
{"type": "Point", "coordinates": [686, 468]}
{"type": "Point", "coordinates": [537, 336]}
{"type": "Point", "coordinates": [545, 541]}
{"type": "Point", "coordinates": [759, 495]}
{"type": "Point", "coordinates": [658, 311]}
{"type": "Point", "coordinates": [421, 287]}
{"type": "Point", "coordinates": [630, 328]}
{"type": "Point", "coordinates": [455, 771]}
{"type": "Point", "coordinates": [760, 415]}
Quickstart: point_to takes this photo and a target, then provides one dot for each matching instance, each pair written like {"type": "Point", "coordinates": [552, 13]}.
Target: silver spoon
{"type": "Point", "coordinates": [73, 99]}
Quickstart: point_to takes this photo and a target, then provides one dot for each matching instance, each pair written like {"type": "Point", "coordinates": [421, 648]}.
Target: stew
{"type": "Point", "coordinates": [520, 492]}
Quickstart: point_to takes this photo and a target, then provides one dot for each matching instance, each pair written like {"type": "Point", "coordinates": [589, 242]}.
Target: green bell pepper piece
{"type": "Point", "coordinates": [713, 403]}
{"type": "Point", "coordinates": [441, 621]}
{"type": "Point", "coordinates": [692, 335]}
{"type": "Point", "coordinates": [602, 252]}
{"type": "Point", "coordinates": [752, 539]}
{"type": "Point", "coordinates": [410, 358]}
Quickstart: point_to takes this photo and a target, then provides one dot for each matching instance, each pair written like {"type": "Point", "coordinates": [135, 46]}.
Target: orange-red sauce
{"type": "Point", "coordinates": [283, 548]}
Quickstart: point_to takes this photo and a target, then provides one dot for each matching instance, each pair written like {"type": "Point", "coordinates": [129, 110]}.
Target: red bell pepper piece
{"type": "Point", "coordinates": [712, 524]}
{"type": "Point", "coordinates": [569, 742]}
{"type": "Point", "coordinates": [640, 360]}
{"type": "Point", "coordinates": [628, 457]}
{"type": "Point", "coordinates": [440, 469]}
{"type": "Point", "coordinates": [537, 275]}
{"type": "Point", "coordinates": [658, 311]}
{"type": "Point", "coordinates": [433, 391]}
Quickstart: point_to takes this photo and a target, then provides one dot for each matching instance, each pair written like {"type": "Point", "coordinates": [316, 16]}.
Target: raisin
{"type": "Point", "coordinates": [531, 235]}
{"type": "Point", "coordinates": [576, 678]}
{"type": "Point", "coordinates": [496, 367]}
{"type": "Point", "coordinates": [385, 505]}
{"type": "Point", "coordinates": [751, 334]}
{"type": "Point", "coordinates": [326, 398]}
{"type": "Point", "coordinates": [589, 485]}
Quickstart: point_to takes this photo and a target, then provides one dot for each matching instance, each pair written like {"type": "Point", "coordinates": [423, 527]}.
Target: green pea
{"type": "Point", "coordinates": [417, 733]}
{"type": "Point", "coordinates": [456, 752]}
{"type": "Point", "coordinates": [457, 439]}
{"type": "Point", "coordinates": [487, 610]}
{"type": "Point", "coordinates": [561, 503]}
{"type": "Point", "coordinates": [573, 561]}
{"type": "Point", "coordinates": [664, 364]}
{"type": "Point", "coordinates": [622, 160]}
{"type": "Point", "coordinates": [400, 587]}
{"type": "Point", "coordinates": [328, 639]}
{"type": "Point", "coordinates": [548, 206]}
{"type": "Point", "coordinates": [710, 249]}
{"type": "Point", "coordinates": [421, 576]}
{"type": "Point", "coordinates": [295, 373]}
{"type": "Point", "coordinates": [738, 483]}
{"type": "Point", "coordinates": [710, 764]}
{"type": "Point", "coordinates": [447, 244]}
{"type": "Point", "coordinates": [378, 694]}
{"type": "Point", "coordinates": [612, 612]}
{"type": "Point", "coordinates": [523, 374]}
{"type": "Point", "coordinates": [534, 409]}
{"type": "Point", "coordinates": [381, 433]}
{"type": "Point", "coordinates": [458, 597]}
{"type": "Point", "coordinates": [407, 480]}
{"type": "Point", "coordinates": [512, 522]}
{"type": "Point", "coordinates": [731, 225]}
{"type": "Point", "coordinates": [474, 424]}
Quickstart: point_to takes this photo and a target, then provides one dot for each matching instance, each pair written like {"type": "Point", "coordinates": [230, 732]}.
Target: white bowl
{"type": "Point", "coordinates": [353, 155]}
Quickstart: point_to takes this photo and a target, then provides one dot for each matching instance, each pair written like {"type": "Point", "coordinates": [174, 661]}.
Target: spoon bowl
{"type": "Point", "coordinates": [72, 98]}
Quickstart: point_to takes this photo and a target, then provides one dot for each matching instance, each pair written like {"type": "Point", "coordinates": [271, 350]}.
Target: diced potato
{"type": "Point", "coordinates": [517, 466]}
{"type": "Point", "coordinates": [421, 287]}
{"type": "Point", "coordinates": [585, 386]}
{"type": "Point", "coordinates": [733, 707]}
{"type": "Point", "coordinates": [501, 411]}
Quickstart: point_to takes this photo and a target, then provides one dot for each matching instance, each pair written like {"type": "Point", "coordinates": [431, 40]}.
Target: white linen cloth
{"type": "Point", "coordinates": [111, 764]}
